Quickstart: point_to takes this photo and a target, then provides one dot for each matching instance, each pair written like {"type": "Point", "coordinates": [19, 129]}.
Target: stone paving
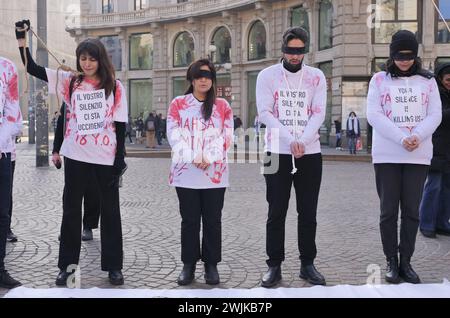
{"type": "Point", "coordinates": [348, 238]}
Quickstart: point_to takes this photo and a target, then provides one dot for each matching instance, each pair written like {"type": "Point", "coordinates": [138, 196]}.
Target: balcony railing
{"type": "Point", "coordinates": [163, 13]}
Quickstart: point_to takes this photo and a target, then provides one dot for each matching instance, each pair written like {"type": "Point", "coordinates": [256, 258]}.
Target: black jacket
{"type": "Point", "coordinates": [441, 137]}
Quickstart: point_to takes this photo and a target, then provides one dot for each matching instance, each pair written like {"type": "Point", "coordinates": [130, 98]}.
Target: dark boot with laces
{"type": "Point", "coordinates": [407, 272]}
{"type": "Point", "coordinates": [392, 271]}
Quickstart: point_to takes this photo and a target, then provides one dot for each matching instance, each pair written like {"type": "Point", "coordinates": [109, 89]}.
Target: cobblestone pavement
{"type": "Point", "coordinates": [348, 238]}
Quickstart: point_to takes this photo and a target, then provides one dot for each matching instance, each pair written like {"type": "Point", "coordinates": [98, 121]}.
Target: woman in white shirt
{"type": "Point", "coordinates": [200, 131]}
{"type": "Point", "coordinates": [404, 109]}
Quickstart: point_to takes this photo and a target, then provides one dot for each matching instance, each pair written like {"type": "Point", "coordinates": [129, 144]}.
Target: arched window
{"type": "Point", "coordinates": [257, 41]}
{"type": "Point", "coordinates": [183, 50]}
{"type": "Point", "coordinates": [300, 18]}
{"type": "Point", "coordinates": [222, 42]}
{"type": "Point", "coordinates": [325, 25]}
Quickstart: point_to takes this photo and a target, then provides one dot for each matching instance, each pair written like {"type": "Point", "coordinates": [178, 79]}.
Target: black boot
{"type": "Point", "coordinates": [407, 272]}
{"type": "Point", "coordinates": [6, 281]}
{"type": "Point", "coordinates": [115, 277]}
{"type": "Point", "coordinates": [187, 274]}
{"type": "Point", "coordinates": [392, 271]}
{"type": "Point", "coordinates": [272, 277]}
{"type": "Point", "coordinates": [87, 235]}
{"type": "Point", "coordinates": [312, 275]}
{"type": "Point", "coordinates": [61, 279]}
{"type": "Point", "coordinates": [211, 274]}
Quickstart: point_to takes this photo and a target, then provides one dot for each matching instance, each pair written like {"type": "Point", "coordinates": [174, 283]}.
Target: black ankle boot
{"type": "Point", "coordinates": [407, 272]}
{"type": "Point", "coordinates": [61, 279]}
{"type": "Point", "coordinates": [312, 275]}
{"type": "Point", "coordinates": [272, 277]}
{"type": "Point", "coordinates": [187, 274]}
{"type": "Point", "coordinates": [211, 274]}
{"type": "Point", "coordinates": [116, 277]}
{"type": "Point", "coordinates": [392, 271]}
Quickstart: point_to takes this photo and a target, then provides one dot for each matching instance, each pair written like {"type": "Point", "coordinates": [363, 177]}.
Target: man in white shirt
{"type": "Point", "coordinates": [291, 101]}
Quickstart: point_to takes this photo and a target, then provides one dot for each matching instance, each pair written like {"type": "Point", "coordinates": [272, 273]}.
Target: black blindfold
{"type": "Point", "coordinates": [404, 56]}
{"type": "Point", "coordinates": [293, 50]}
{"type": "Point", "coordinates": [203, 73]}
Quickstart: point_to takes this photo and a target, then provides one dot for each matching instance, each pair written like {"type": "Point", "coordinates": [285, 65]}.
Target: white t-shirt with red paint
{"type": "Point", "coordinates": [292, 106]}
{"type": "Point", "coordinates": [191, 138]}
{"type": "Point", "coordinates": [10, 114]}
{"type": "Point", "coordinates": [398, 108]}
{"type": "Point", "coordinates": [90, 131]}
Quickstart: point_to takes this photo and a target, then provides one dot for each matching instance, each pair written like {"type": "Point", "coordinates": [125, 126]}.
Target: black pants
{"type": "Point", "coordinates": [307, 185]}
{"type": "Point", "coordinates": [91, 203]}
{"type": "Point", "coordinates": [5, 197]}
{"type": "Point", "coordinates": [201, 206]}
{"type": "Point", "coordinates": [399, 184]}
{"type": "Point", "coordinates": [77, 176]}
{"type": "Point", "coordinates": [13, 168]}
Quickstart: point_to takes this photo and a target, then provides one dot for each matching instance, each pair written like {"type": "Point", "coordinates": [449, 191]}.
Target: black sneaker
{"type": "Point", "coordinates": [11, 237]}
{"type": "Point", "coordinates": [6, 281]}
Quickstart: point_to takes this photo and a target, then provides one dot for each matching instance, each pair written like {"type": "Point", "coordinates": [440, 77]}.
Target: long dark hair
{"type": "Point", "coordinates": [392, 69]}
{"type": "Point", "coordinates": [192, 73]}
{"type": "Point", "coordinates": [96, 49]}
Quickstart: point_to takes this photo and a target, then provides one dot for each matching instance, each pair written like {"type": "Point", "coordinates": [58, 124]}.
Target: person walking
{"type": "Point", "coordinates": [404, 109]}
{"type": "Point", "coordinates": [291, 102]}
{"type": "Point", "coordinates": [200, 130]}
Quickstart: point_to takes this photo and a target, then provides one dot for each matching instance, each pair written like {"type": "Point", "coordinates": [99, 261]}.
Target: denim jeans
{"type": "Point", "coordinates": [352, 144]}
{"type": "Point", "coordinates": [5, 201]}
{"type": "Point", "coordinates": [435, 205]}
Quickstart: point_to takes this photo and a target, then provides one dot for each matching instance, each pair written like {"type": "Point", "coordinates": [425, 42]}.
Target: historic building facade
{"type": "Point", "coordinates": [152, 43]}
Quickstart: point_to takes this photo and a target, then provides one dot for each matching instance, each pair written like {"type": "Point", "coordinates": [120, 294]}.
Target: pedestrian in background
{"type": "Point", "coordinates": [353, 132]}
{"type": "Point", "coordinates": [435, 204]}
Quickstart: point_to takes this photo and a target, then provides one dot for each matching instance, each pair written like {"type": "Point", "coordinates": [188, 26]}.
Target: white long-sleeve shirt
{"type": "Point", "coordinates": [282, 96]}
{"type": "Point", "coordinates": [393, 105]}
{"type": "Point", "coordinates": [10, 114]}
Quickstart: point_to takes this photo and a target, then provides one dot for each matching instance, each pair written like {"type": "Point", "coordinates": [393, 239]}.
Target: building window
{"type": "Point", "coordinates": [222, 42]}
{"type": "Point", "coordinates": [395, 15]}
{"type": "Point", "coordinates": [183, 50]}
{"type": "Point", "coordinates": [181, 1]}
{"type": "Point", "coordinates": [140, 5]}
{"type": "Point", "coordinates": [223, 87]}
{"type": "Point", "coordinates": [379, 64]}
{"type": "Point", "coordinates": [114, 49]}
{"type": "Point", "coordinates": [257, 42]}
{"type": "Point", "coordinates": [107, 6]}
{"type": "Point", "coordinates": [251, 98]}
{"type": "Point", "coordinates": [442, 35]}
{"type": "Point", "coordinates": [325, 25]}
{"type": "Point", "coordinates": [441, 60]}
{"type": "Point", "coordinates": [300, 18]}
{"type": "Point", "coordinates": [179, 86]}
{"type": "Point", "coordinates": [141, 98]}
{"type": "Point", "coordinates": [141, 51]}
